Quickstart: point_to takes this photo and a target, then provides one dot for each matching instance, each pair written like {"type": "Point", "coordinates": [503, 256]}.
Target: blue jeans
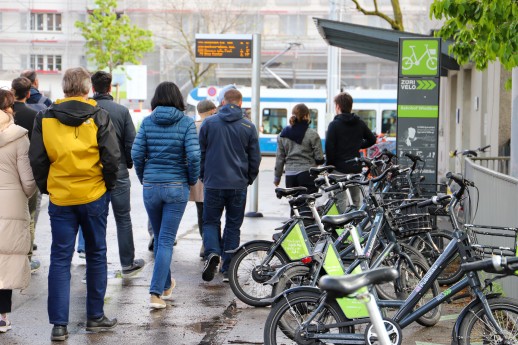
{"type": "Point", "coordinates": [120, 200]}
{"type": "Point", "coordinates": [165, 204]}
{"type": "Point", "coordinates": [215, 200]}
{"type": "Point", "coordinates": [64, 222]}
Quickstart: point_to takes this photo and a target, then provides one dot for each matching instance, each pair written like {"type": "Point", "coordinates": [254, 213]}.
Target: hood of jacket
{"type": "Point", "coordinates": [73, 111]}
{"type": "Point", "coordinates": [101, 96]}
{"type": "Point", "coordinates": [348, 118]}
{"type": "Point", "coordinates": [166, 116]}
{"type": "Point", "coordinates": [11, 133]}
{"type": "Point", "coordinates": [230, 113]}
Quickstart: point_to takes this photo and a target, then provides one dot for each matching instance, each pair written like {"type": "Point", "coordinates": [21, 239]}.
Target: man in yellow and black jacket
{"type": "Point", "coordinates": [74, 156]}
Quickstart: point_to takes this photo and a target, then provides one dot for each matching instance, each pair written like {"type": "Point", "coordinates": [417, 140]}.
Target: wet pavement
{"type": "Point", "coordinates": [201, 313]}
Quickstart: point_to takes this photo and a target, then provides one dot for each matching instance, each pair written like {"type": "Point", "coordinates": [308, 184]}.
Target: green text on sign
{"type": "Point", "coordinates": [430, 111]}
{"type": "Point", "coordinates": [420, 57]}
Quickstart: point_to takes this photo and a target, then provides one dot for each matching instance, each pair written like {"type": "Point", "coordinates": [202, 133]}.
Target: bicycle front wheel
{"type": "Point", "coordinates": [477, 329]}
{"type": "Point", "coordinates": [249, 269]}
{"type": "Point", "coordinates": [283, 323]}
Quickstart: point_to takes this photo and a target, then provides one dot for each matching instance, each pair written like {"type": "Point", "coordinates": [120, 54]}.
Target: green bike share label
{"type": "Point", "coordinates": [296, 244]}
{"type": "Point", "coordinates": [352, 308]}
{"type": "Point", "coordinates": [420, 58]}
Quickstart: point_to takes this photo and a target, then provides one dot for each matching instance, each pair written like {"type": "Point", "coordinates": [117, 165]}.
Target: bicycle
{"type": "Point", "coordinates": [431, 63]}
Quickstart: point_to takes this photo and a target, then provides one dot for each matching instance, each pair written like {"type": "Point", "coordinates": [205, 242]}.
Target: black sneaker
{"type": "Point", "coordinates": [211, 265]}
{"type": "Point", "coordinates": [225, 277]}
{"type": "Point", "coordinates": [59, 333]}
{"type": "Point", "coordinates": [101, 324]}
{"type": "Point", "coordinates": [151, 244]}
{"type": "Point", "coordinates": [138, 265]}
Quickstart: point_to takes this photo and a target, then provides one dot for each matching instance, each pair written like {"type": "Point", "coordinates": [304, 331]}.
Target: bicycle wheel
{"type": "Point", "coordinates": [477, 329]}
{"type": "Point", "coordinates": [294, 276]}
{"type": "Point", "coordinates": [431, 251]}
{"type": "Point", "coordinates": [248, 271]}
{"type": "Point", "coordinates": [407, 63]}
{"type": "Point", "coordinates": [408, 280]}
{"type": "Point", "coordinates": [283, 323]}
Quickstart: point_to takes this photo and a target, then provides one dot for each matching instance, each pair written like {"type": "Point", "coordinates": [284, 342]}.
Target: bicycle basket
{"type": "Point", "coordinates": [492, 240]}
{"type": "Point", "coordinates": [432, 51]}
{"type": "Point", "coordinates": [409, 220]}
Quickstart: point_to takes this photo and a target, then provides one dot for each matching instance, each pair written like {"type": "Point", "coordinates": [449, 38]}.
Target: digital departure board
{"type": "Point", "coordinates": [224, 48]}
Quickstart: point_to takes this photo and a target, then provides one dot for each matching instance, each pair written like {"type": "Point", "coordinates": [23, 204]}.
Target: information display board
{"type": "Point", "coordinates": [223, 48]}
{"type": "Point", "coordinates": [418, 102]}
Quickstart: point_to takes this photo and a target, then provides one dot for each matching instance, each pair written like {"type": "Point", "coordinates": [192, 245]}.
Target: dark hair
{"type": "Point", "coordinates": [29, 74]}
{"type": "Point", "coordinates": [299, 112]}
{"type": "Point", "coordinates": [101, 81]}
{"type": "Point", "coordinates": [233, 96]}
{"type": "Point", "coordinates": [344, 102]}
{"type": "Point", "coordinates": [6, 99]}
{"type": "Point", "coordinates": [167, 94]}
{"type": "Point", "coordinates": [21, 86]}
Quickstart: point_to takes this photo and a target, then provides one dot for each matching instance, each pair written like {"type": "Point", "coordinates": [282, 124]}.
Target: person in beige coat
{"type": "Point", "coordinates": [205, 109]}
{"type": "Point", "coordinates": [16, 186]}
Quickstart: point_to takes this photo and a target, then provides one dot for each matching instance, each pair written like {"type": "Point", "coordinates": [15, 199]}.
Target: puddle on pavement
{"type": "Point", "coordinates": [217, 326]}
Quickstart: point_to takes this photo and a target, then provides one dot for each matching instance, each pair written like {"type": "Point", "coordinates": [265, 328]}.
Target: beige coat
{"type": "Point", "coordinates": [16, 185]}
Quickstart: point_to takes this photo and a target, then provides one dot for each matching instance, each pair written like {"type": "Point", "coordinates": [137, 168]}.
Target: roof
{"type": "Point", "coordinates": [382, 43]}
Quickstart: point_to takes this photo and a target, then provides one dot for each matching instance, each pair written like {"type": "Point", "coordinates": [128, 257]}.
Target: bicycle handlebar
{"type": "Point", "coordinates": [461, 181]}
{"type": "Point", "coordinates": [496, 264]}
{"type": "Point", "coordinates": [435, 200]}
{"type": "Point", "coordinates": [483, 149]}
{"type": "Point", "coordinates": [343, 185]}
{"type": "Point", "coordinates": [413, 158]}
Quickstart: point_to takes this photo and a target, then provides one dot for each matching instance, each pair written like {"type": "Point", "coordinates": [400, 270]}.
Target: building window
{"type": "Point", "coordinates": [45, 62]}
{"type": "Point", "coordinates": [293, 25]}
{"type": "Point", "coordinates": [45, 21]}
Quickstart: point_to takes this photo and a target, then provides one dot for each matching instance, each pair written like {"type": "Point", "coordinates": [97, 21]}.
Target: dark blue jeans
{"type": "Point", "coordinates": [120, 200]}
{"type": "Point", "coordinates": [165, 204]}
{"type": "Point", "coordinates": [233, 201]}
{"type": "Point", "coordinates": [64, 222]}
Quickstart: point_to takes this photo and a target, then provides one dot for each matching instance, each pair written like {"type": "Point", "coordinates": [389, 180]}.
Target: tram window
{"type": "Point", "coordinates": [389, 123]}
{"type": "Point", "coordinates": [313, 115]}
{"type": "Point", "coordinates": [369, 117]}
{"type": "Point", "coordinates": [274, 120]}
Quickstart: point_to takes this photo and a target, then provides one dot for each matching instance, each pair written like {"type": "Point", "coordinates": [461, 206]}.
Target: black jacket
{"type": "Point", "coordinates": [124, 127]}
{"type": "Point", "coordinates": [230, 154]}
{"type": "Point", "coordinates": [24, 116]}
{"type": "Point", "coordinates": [346, 135]}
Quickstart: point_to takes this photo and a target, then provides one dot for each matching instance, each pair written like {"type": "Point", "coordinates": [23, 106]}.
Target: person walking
{"type": "Point", "coordinates": [36, 100]}
{"type": "Point", "coordinates": [166, 154]}
{"type": "Point", "coordinates": [120, 194]}
{"type": "Point", "coordinates": [205, 109]}
{"type": "Point", "coordinates": [16, 186]}
{"type": "Point", "coordinates": [298, 149]}
{"type": "Point", "coordinates": [24, 117]}
{"type": "Point", "coordinates": [230, 159]}
{"type": "Point", "coordinates": [346, 135]}
{"type": "Point", "coordinates": [75, 156]}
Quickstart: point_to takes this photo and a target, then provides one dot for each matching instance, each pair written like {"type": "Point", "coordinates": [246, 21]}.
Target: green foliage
{"type": "Point", "coordinates": [111, 39]}
{"type": "Point", "coordinates": [482, 30]}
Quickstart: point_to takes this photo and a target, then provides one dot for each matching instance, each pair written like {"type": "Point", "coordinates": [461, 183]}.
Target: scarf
{"type": "Point", "coordinates": [295, 132]}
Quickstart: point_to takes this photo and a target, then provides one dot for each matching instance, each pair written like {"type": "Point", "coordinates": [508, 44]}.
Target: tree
{"type": "Point", "coordinates": [396, 23]}
{"type": "Point", "coordinates": [183, 19]}
{"type": "Point", "coordinates": [111, 40]}
{"type": "Point", "coordinates": [482, 30]}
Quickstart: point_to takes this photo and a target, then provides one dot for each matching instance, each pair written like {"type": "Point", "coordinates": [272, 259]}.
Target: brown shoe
{"type": "Point", "coordinates": [168, 294]}
{"type": "Point", "coordinates": [156, 302]}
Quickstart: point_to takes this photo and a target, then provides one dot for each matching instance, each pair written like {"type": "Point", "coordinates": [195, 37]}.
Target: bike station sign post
{"type": "Point", "coordinates": [418, 102]}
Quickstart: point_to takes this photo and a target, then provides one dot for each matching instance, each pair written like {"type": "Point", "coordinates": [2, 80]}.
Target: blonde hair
{"type": "Point", "coordinates": [76, 82]}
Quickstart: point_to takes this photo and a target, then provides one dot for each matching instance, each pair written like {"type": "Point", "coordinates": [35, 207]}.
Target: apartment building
{"type": "Point", "coordinates": [41, 35]}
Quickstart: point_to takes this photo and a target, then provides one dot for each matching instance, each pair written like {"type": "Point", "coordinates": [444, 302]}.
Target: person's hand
{"type": "Point", "coordinates": [276, 184]}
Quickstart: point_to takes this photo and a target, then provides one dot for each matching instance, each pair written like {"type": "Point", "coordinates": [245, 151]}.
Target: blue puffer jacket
{"type": "Point", "coordinates": [166, 148]}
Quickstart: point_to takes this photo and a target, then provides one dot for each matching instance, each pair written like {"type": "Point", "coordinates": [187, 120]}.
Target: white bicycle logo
{"type": "Point", "coordinates": [410, 61]}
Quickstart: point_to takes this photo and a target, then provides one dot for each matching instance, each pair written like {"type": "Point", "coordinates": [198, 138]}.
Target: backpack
{"type": "Point", "coordinates": [40, 105]}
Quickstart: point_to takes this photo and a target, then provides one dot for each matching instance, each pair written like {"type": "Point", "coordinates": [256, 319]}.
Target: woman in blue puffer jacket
{"type": "Point", "coordinates": [166, 156]}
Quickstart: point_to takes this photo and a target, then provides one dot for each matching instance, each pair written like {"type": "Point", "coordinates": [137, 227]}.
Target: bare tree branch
{"type": "Point", "coordinates": [396, 23]}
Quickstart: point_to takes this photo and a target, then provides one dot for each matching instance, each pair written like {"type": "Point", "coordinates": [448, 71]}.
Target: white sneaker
{"type": "Point", "coordinates": [5, 325]}
{"type": "Point", "coordinates": [168, 294]}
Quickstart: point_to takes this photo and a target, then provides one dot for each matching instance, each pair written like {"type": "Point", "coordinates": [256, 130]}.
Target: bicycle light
{"type": "Point", "coordinates": [306, 260]}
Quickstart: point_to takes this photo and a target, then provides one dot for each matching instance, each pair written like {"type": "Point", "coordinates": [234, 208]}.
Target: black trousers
{"type": "Point", "coordinates": [302, 179]}
{"type": "Point", "coordinates": [6, 300]}
{"type": "Point", "coordinates": [199, 210]}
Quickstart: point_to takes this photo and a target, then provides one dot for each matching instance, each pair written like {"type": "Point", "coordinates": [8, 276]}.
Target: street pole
{"type": "Point", "coordinates": [256, 98]}
{"type": "Point", "coordinates": [333, 65]}
{"type": "Point", "coordinates": [514, 124]}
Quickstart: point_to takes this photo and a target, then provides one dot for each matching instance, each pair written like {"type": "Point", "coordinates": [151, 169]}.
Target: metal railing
{"type": "Point", "coordinates": [496, 202]}
{"type": "Point", "coordinates": [498, 164]}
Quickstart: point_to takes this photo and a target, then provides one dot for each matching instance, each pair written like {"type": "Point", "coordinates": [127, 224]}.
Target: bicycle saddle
{"type": "Point", "coordinates": [320, 181]}
{"type": "Point", "coordinates": [341, 286]}
{"type": "Point", "coordinates": [304, 199]}
{"type": "Point", "coordinates": [280, 192]}
{"type": "Point", "coordinates": [315, 171]}
{"type": "Point", "coordinates": [342, 219]}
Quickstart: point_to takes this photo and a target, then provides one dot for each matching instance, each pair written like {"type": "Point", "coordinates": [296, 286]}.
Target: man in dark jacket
{"type": "Point", "coordinates": [346, 135]}
{"type": "Point", "coordinates": [230, 159]}
{"type": "Point", "coordinates": [120, 194]}
{"type": "Point", "coordinates": [24, 116]}
{"type": "Point", "coordinates": [36, 100]}
{"type": "Point", "coordinates": [74, 158]}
